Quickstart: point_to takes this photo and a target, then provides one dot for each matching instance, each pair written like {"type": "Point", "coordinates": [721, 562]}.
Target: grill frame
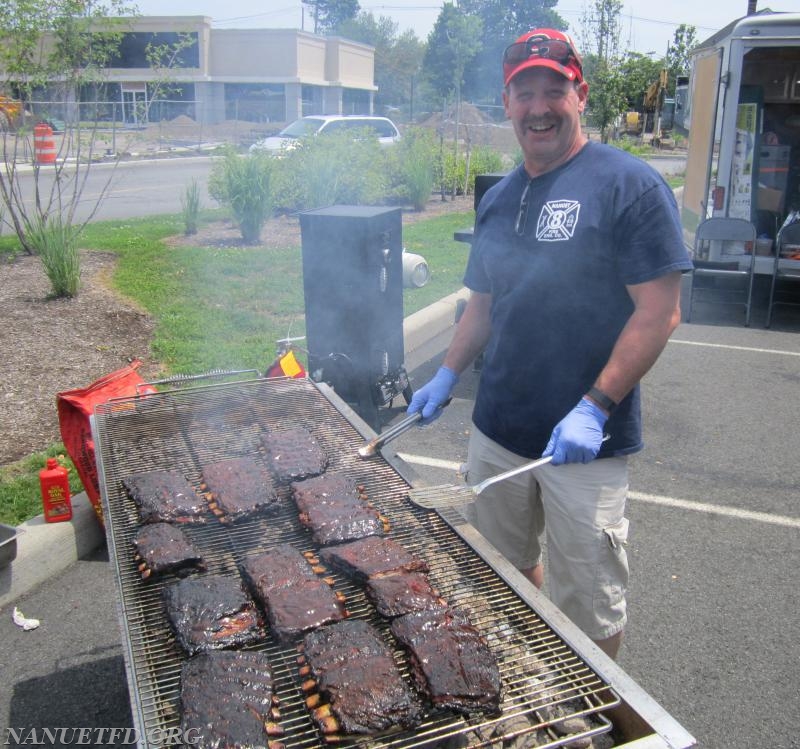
{"type": "Point", "coordinates": [222, 420]}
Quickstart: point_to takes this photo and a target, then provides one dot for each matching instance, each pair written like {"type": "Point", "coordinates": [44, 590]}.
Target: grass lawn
{"type": "Point", "coordinates": [219, 308]}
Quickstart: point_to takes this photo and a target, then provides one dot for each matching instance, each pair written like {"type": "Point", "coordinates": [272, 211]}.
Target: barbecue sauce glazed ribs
{"type": "Point", "coordinates": [335, 509]}
{"type": "Point", "coordinates": [165, 496]}
{"type": "Point", "coordinates": [294, 598]}
{"type": "Point", "coordinates": [353, 683]}
{"type": "Point", "coordinates": [228, 700]}
{"type": "Point", "coordinates": [162, 548]}
{"type": "Point", "coordinates": [238, 488]}
{"type": "Point", "coordinates": [397, 593]}
{"type": "Point", "coordinates": [293, 454]}
{"type": "Point", "coordinates": [212, 612]}
{"type": "Point", "coordinates": [370, 556]}
{"type": "Point", "coordinates": [450, 660]}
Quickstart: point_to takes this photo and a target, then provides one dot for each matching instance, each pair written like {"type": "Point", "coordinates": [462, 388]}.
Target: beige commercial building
{"type": "Point", "coordinates": [259, 75]}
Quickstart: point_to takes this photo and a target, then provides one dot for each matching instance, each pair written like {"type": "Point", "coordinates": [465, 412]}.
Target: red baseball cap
{"type": "Point", "coordinates": [545, 48]}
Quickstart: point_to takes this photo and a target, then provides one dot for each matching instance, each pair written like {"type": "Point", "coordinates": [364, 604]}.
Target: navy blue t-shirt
{"type": "Point", "coordinates": [595, 224]}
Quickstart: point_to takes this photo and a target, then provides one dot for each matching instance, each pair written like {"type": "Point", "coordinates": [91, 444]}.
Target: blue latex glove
{"type": "Point", "coordinates": [430, 398]}
{"type": "Point", "coordinates": [578, 436]}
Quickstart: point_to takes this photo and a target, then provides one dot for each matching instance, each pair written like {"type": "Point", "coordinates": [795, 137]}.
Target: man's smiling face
{"type": "Point", "coordinates": [544, 108]}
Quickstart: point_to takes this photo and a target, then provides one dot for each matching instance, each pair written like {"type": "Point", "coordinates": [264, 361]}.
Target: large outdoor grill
{"type": "Point", "coordinates": [552, 675]}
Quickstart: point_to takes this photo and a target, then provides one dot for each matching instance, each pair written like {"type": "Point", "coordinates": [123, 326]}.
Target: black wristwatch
{"type": "Point", "coordinates": [602, 400]}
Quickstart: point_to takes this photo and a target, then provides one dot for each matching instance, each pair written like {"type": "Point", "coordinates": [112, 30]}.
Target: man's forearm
{"type": "Point", "coordinates": [655, 317]}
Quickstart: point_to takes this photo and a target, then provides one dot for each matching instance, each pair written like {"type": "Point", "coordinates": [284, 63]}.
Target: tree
{"type": "Point", "coordinates": [398, 59]}
{"type": "Point", "coordinates": [638, 72]}
{"type": "Point", "coordinates": [602, 64]}
{"type": "Point", "coordinates": [330, 14]}
{"type": "Point", "coordinates": [677, 59]}
{"type": "Point", "coordinates": [54, 49]}
{"type": "Point", "coordinates": [503, 21]}
{"type": "Point", "coordinates": [452, 44]}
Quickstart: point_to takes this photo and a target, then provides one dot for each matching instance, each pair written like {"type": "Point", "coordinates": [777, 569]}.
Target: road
{"type": "Point", "coordinates": [132, 188]}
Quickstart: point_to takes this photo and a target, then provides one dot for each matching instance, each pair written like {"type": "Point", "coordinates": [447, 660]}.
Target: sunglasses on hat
{"type": "Point", "coordinates": [547, 49]}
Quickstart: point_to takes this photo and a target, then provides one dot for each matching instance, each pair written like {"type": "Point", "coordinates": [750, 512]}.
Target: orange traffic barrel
{"type": "Point", "coordinates": [44, 146]}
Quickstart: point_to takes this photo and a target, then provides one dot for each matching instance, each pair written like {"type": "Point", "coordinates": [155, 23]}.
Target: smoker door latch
{"type": "Point", "coordinates": [390, 385]}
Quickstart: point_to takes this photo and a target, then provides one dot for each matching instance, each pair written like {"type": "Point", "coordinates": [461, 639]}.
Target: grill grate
{"type": "Point", "coordinates": [545, 683]}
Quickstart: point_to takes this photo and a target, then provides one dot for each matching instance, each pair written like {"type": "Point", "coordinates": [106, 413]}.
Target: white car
{"type": "Point", "coordinates": [385, 130]}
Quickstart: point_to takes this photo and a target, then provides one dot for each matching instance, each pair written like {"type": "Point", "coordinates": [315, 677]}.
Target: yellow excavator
{"type": "Point", "coordinates": [10, 112]}
{"type": "Point", "coordinates": [648, 120]}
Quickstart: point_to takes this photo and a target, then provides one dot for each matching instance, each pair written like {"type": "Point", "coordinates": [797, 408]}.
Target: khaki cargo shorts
{"type": "Point", "coordinates": [581, 508]}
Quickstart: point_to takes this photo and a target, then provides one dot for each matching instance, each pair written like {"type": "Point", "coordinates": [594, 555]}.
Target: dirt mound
{"type": "Point", "coordinates": [475, 127]}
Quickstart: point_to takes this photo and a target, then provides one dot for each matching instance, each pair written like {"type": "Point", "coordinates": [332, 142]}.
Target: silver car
{"type": "Point", "coordinates": [385, 130]}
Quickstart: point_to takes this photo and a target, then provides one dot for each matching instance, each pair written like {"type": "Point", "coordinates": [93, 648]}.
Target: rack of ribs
{"type": "Point", "coordinates": [336, 509]}
{"type": "Point", "coordinates": [228, 699]}
{"type": "Point", "coordinates": [373, 555]}
{"type": "Point", "coordinates": [212, 612]}
{"type": "Point", "coordinates": [352, 682]}
{"type": "Point", "coordinates": [294, 598]}
{"type": "Point", "coordinates": [451, 661]}
{"type": "Point", "coordinates": [162, 548]}
{"type": "Point", "coordinates": [293, 454]}
{"type": "Point", "coordinates": [165, 496]}
{"type": "Point", "coordinates": [238, 488]}
{"type": "Point", "coordinates": [400, 592]}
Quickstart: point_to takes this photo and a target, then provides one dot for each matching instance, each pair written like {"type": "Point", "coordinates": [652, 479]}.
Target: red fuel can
{"type": "Point", "coordinates": [55, 492]}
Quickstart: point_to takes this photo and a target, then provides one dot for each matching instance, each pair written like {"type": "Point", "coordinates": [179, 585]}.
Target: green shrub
{"type": "Point", "coordinates": [482, 160]}
{"type": "Point", "coordinates": [56, 244]}
{"type": "Point", "coordinates": [412, 167]}
{"type": "Point", "coordinates": [245, 185]}
{"type": "Point", "coordinates": [333, 169]}
{"type": "Point", "coordinates": [190, 208]}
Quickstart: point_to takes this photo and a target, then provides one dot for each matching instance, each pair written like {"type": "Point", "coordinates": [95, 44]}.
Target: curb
{"type": "Point", "coordinates": [46, 549]}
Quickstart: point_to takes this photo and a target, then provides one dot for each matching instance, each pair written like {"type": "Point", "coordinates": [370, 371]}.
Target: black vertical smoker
{"type": "Point", "coordinates": [353, 289]}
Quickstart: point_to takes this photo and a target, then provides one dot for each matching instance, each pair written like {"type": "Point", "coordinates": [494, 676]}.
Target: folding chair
{"type": "Point", "coordinates": [786, 270]}
{"type": "Point", "coordinates": [723, 264]}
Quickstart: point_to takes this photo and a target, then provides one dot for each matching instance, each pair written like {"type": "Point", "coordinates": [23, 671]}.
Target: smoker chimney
{"type": "Point", "coordinates": [751, 7]}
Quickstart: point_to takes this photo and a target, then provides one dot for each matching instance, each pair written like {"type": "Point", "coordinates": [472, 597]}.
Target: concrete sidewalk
{"type": "Point", "coordinates": [46, 549]}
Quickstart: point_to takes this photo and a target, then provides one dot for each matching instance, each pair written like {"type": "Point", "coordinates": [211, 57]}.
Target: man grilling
{"type": "Point", "coordinates": [574, 275]}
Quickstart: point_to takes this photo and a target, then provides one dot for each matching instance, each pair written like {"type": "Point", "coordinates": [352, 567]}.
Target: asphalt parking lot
{"type": "Point", "coordinates": [715, 526]}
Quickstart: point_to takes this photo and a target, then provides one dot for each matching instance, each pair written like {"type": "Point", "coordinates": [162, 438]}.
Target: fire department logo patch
{"type": "Point", "coordinates": [557, 220]}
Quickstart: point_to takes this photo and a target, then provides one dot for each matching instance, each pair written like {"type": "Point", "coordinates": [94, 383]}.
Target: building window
{"type": "Point", "coordinates": [134, 46]}
{"type": "Point", "coordinates": [170, 101]}
{"type": "Point", "coordinates": [255, 102]}
{"type": "Point", "coordinates": [355, 101]}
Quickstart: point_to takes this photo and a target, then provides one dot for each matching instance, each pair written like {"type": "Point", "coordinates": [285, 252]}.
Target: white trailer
{"type": "Point", "coordinates": [744, 127]}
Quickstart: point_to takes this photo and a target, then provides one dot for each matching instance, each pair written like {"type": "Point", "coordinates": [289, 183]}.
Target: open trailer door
{"type": "Point", "coordinates": [704, 96]}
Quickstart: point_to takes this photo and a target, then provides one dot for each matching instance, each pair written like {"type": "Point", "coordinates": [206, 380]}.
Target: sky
{"type": "Point", "coordinates": [647, 26]}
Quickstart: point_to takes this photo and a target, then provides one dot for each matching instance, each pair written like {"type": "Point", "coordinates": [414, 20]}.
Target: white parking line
{"type": "Point", "coordinates": [655, 499]}
{"type": "Point", "coordinates": [421, 460]}
{"type": "Point", "coordinates": [736, 348]}
{"type": "Point", "coordinates": [731, 512]}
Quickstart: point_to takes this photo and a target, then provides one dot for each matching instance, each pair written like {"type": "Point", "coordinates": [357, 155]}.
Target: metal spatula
{"type": "Point", "coordinates": [451, 495]}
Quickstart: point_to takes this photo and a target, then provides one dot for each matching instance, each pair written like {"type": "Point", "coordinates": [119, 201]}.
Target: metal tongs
{"type": "Point", "coordinates": [371, 448]}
